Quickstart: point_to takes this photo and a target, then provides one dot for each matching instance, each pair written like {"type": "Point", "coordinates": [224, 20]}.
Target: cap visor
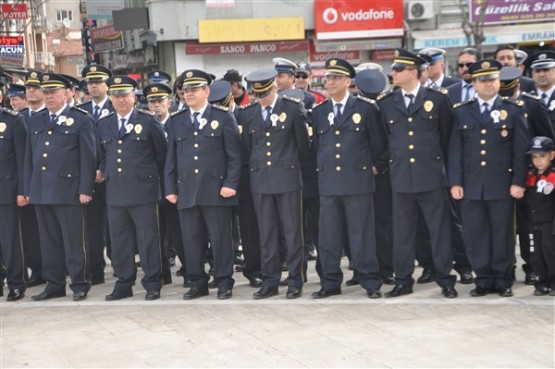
{"type": "Point", "coordinates": [487, 77]}
{"type": "Point", "coordinates": [120, 92]}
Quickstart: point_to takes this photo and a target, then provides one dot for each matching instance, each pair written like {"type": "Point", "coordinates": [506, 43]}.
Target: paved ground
{"type": "Point", "coordinates": [422, 330]}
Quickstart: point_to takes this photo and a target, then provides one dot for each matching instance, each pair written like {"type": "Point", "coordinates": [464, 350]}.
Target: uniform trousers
{"type": "Point", "coordinates": [136, 227]}
{"type": "Point", "coordinates": [63, 246]}
{"type": "Point", "coordinates": [30, 238]}
{"type": "Point", "coordinates": [384, 224]}
{"type": "Point", "coordinates": [250, 238]}
{"type": "Point", "coordinates": [11, 246]}
{"type": "Point", "coordinates": [170, 233]}
{"type": "Point", "coordinates": [435, 211]}
{"type": "Point", "coordinates": [542, 255]}
{"type": "Point", "coordinates": [96, 229]}
{"type": "Point", "coordinates": [523, 233]}
{"type": "Point", "coordinates": [489, 238]}
{"type": "Point", "coordinates": [280, 215]}
{"type": "Point", "coordinates": [357, 211]}
{"type": "Point", "coordinates": [198, 223]}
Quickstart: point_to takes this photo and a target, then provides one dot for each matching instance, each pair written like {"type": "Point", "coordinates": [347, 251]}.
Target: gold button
{"type": "Point", "coordinates": [268, 163]}
{"type": "Point", "coordinates": [482, 142]}
{"type": "Point", "coordinates": [268, 154]}
{"type": "Point", "coordinates": [411, 147]}
{"type": "Point", "coordinates": [465, 126]}
{"type": "Point", "coordinates": [47, 143]}
{"type": "Point", "coordinates": [196, 171]}
{"type": "Point", "coordinates": [504, 126]}
{"type": "Point", "coordinates": [483, 163]}
{"type": "Point", "coordinates": [120, 170]}
{"type": "Point", "coordinates": [411, 133]}
{"type": "Point", "coordinates": [195, 145]}
{"type": "Point", "coordinates": [337, 156]}
{"type": "Point", "coordinates": [50, 132]}
{"type": "Point", "coordinates": [410, 119]}
{"type": "Point", "coordinates": [195, 157]}
{"type": "Point", "coordinates": [43, 168]}
{"type": "Point", "coordinates": [483, 152]}
{"type": "Point", "coordinates": [268, 144]}
{"type": "Point", "coordinates": [120, 142]}
{"type": "Point", "coordinates": [337, 133]}
{"type": "Point", "coordinates": [69, 176]}
{"type": "Point", "coordinates": [412, 160]}
{"type": "Point", "coordinates": [267, 134]}
{"type": "Point", "coordinates": [338, 145]}
{"type": "Point", "coordinates": [338, 168]}
{"type": "Point", "coordinates": [119, 151]}
{"type": "Point", "coordinates": [363, 168]}
{"type": "Point", "coordinates": [196, 133]}
{"type": "Point", "coordinates": [483, 131]}
{"type": "Point", "coordinates": [119, 160]}
{"type": "Point", "coordinates": [45, 155]}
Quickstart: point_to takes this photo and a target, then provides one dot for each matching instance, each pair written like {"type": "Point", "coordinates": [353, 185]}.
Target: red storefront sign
{"type": "Point", "coordinates": [337, 19]}
{"type": "Point", "coordinates": [14, 11]}
{"type": "Point", "coordinates": [319, 58]}
{"type": "Point", "coordinates": [193, 48]}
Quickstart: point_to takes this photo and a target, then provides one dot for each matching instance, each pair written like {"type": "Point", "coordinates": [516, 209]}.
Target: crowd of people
{"type": "Point", "coordinates": [418, 168]}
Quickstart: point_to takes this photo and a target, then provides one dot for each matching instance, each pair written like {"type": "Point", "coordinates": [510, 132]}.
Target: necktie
{"type": "Point", "coordinates": [338, 114]}
{"type": "Point", "coordinates": [544, 98]}
{"type": "Point", "coordinates": [196, 124]}
{"type": "Point", "coordinates": [96, 112]}
{"type": "Point", "coordinates": [267, 121]}
{"type": "Point", "coordinates": [409, 106]}
{"type": "Point", "coordinates": [485, 112]}
{"type": "Point", "coordinates": [32, 112]}
{"type": "Point", "coordinates": [122, 130]}
{"type": "Point", "coordinates": [52, 120]}
{"type": "Point", "coordinates": [466, 92]}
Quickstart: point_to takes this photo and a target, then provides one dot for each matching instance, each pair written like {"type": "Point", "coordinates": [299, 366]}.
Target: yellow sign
{"type": "Point", "coordinates": [260, 29]}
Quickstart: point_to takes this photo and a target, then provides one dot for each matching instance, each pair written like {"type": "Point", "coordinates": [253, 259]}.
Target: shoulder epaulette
{"type": "Point", "coordinates": [513, 101]}
{"type": "Point", "coordinates": [370, 101]}
{"type": "Point", "coordinates": [385, 94]}
{"type": "Point", "coordinates": [441, 90]}
{"type": "Point", "coordinates": [79, 109]}
{"type": "Point", "coordinates": [252, 103]}
{"type": "Point", "coordinates": [147, 112]}
{"type": "Point", "coordinates": [220, 107]}
{"type": "Point", "coordinates": [10, 112]}
{"type": "Point", "coordinates": [529, 95]}
{"type": "Point", "coordinates": [107, 115]}
{"type": "Point", "coordinates": [290, 98]}
{"type": "Point", "coordinates": [177, 112]}
{"type": "Point", "coordinates": [320, 104]}
{"type": "Point", "coordinates": [456, 105]}
{"type": "Point", "coordinates": [83, 104]}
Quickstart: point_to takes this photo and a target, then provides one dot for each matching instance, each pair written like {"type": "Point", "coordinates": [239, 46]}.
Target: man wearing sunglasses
{"type": "Point", "coordinates": [463, 90]}
{"type": "Point", "coordinates": [302, 81]}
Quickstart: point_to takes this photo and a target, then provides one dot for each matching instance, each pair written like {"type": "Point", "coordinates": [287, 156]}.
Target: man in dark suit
{"type": "Point", "coordinates": [13, 136]}
{"type": "Point", "coordinates": [97, 223]}
{"type": "Point", "coordinates": [418, 121]}
{"type": "Point", "coordinates": [276, 140]}
{"type": "Point", "coordinates": [436, 68]}
{"type": "Point", "coordinates": [505, 54]}
{"type": "Point", "coordinates": [285, 79]}
{"type": "Point", "coordinates": [59, 177]}
{"type": "Point", "coordinates": [542, 64]}
{"type": "Point", "coordinates": [463, 90]}
{"type": "Point", "coordinates": [202, 174]}
{"type": "Point", "coordinates": [131, 153]}
{"type": "Point", "coordinates": [351, 149]}
{"type": "Point", "coordinates": [487, 171]}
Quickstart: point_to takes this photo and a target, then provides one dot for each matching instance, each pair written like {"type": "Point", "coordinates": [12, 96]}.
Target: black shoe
{"type": "Point", "coordinates": [293, 292]}
{"type": "Point", "coordinates": [18, 294]}
{"type": "Point", "coordinates": [187, 283]}
{"type": "Point", "coordinates": [479, 292]}
{"type": "Point", "coordinates": [540, 291]}
{"type": "Point", "coordinates": [79, 296]}
{"type": "Point", "coordinates": [505, 292]}
{"type": "Point", "coordinates": [428, 276]}
{"type": "Point", "coordinates": [466, 277]}
{"type": "Point", "coordinates": [240, 267]}
{"type": "Point", "coordinates": [224, 293]}
{"type": "Point", "coordinates": [531, 278]}
{"type": "Point", "coordinates": [35, 280]}
{"type": "Point", "coordinates": [325, 293]}
{"type": "Point", "coordinates": [152, 295]}
{"type": "Point", "coordinates": [212, 285]}
{"type": "Point", "coordinates": [283, 283]}
{"type": "Point", "coordinates": [118, 295]}
{"type": "Point", "coordinates": [168, 279]}
{"type": "Point", "coordinates": [374, 294]}
{"type": "Point", "coordinates": [399, 290]}
{"type": "Point", "coordinates": [449, 292]}
{"type": "Point", "coordinates": [255, 282]}
{"type": "Point", "coordinates": [44, 295]}
{"type": "Point", "coordinates": [195, 293]}
{"type": "Point", "coordinates": [388, 279]}
{"type": "Point", "coordinates": [353, 281]}
{"type": "Point", "coordinates": [264, 293]}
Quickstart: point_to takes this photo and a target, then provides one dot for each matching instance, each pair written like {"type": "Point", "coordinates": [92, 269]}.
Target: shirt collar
{"type": "Point", "coordinates": [343, 102]}
{"type": "Point", "coordinates": [414, 92]}
{"type": "Point", "coordinates": [490, 101]}
{"type": "Point", "coordinates": [101, 104]}
{"type": "Point", "coordinates": [59, 112]}
{"type": "Point", "coordinates": [126, 117]}
{"type": "Point", "coordinates": [549, 92]}
{"type": "Point", "coordinates": [201, 111]}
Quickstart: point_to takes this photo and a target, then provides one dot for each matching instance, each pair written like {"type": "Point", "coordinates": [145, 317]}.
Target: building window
{"type": "Point", "coordinates": [62, 14]}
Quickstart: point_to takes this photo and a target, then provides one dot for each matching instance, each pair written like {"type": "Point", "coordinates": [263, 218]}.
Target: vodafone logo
{"type": "Point", "coordinates": [330, 16]}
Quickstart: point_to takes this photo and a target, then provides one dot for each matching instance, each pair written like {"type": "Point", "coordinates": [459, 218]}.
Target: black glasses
{"type": "Point", "coordinates": [400, 69]}
{"type": "Point", "coordinates": [461, 65]}
{"type": "Point", "coordinates": [303, 76]}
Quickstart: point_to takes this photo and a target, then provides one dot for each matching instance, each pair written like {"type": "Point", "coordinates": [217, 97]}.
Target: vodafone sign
{"type": "Point", "coordinates": [336, 19]}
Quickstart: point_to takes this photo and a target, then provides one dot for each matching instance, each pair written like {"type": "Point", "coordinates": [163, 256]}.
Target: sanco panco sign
{"type": "Point", "coordinates": [357, 19]}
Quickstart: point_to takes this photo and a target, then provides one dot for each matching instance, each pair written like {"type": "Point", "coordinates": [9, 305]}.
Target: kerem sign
{"type": "Point", "coordinates": [334, 19]}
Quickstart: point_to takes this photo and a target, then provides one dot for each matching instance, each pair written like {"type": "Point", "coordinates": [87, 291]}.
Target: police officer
{"type": "Point", "coordinates": [13, 136]}
{"type": "Point", "coordinates": [351, 149]}
{"type": "Point", "coordinates": [201, 176]}
{"type": "Point", "coordinates": [487, 171]}
{"type": "Point", "coordinates": [131, 154]}
{"type": "Point", "coordinates": [158, 76]}
{"type": "Point", "coordinates": [436, 69]}
{"type": "Point", "coordinates": [506, 55]}
{"type": "Point", "coordinates": [276, 138]}
{"type": "Point", "coordinates": [285, 79]}
{"type": "Point", "coordinates": [16, 94]}
{"type": "Point", "coordinates": [59, 178]}
{"type": "Point", "coordinates": [418, 121]}
{"type": "Point", "coordinates": [542, 64]}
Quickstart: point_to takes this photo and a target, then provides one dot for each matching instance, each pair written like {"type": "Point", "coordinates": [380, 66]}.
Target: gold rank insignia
{"type": "Point", "coordinates": [138, 128]}
{"type": "Point", "coordinates": [154, 89]}
{"type": "Point", "coordinates": [93, 69]}
{"type": "Point", "coordinates": [504, 133]}
{"type": "Point", "coordinates": [282, 117]}
{"type": "Point", "coordinates": [117, 80]}
{"type": "Point", "coordinates": [396, 54]}
{"type": "Point", "coordinates": [428, 106]}
{"type": "Point", "coordinates": [34, 75]}
{"type": "Point", "coordinates": [189, 74]}
{"type": "Point", "coordinates": [356, 118]}
{"type": "Point", "coordinates": [45, 78]}
{"type": "Point", "coordinates": [3, 126]}
{"type": "Point", "coordinates": [485, 65]}
{"type": "Point", "coordinates": [69, 122]}
{"type": "Point", "coordinates": [520, 102]}
{"type": "Point", "coordinates": [333, 62]}
{"type": "Point", "coordinates": [214, 124]}
{"type": "Point", "coordinates": [503, 114]}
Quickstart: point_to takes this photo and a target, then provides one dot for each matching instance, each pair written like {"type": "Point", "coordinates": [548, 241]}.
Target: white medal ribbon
{"type": "Point", "coordinates": [202, 123]}
{"type": "Point", "coordinates": [61, 119]}
{"type": "Point", "coordinates": [103, 113]}
{"type": "Point", "coordinates": [274, 119]}
{"type": "Point", "coordinates": [128, 127]}
{"type": "Point", "coordinates": [331, 116]}
{"type": "Point", "coordinates": [552, 105]}
{"type": "Point", "coordinates": [495, 116]}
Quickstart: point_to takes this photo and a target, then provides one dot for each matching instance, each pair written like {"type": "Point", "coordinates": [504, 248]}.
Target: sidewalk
{"type": "Point", "coordinates": [422, 330]}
